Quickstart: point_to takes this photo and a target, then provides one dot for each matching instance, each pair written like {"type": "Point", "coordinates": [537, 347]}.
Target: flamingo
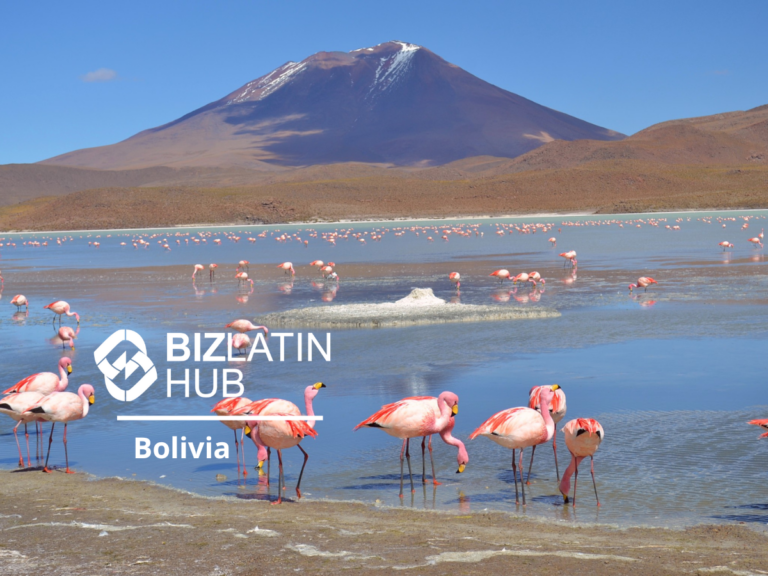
{"type": "Point", "coordinates": [63, 407]}
{"type": "Point", "coordinates": [725, 244]}
{"type": "Point", "coordinates": [756, 241]}
{"type": "Point", "coordinates": [519, 428]}
{"type": "Point", "coordinates": [198, 268]}
{"type": "Point", "coordinates": [212, 271]}
{"type": "Point", "coordinates": [244, 265]}
{"type": "Point", "coordinates": [557, 409]}
{"type": "Point", "coordinates": [20, 300]}
{"type": "Point", "coordinates": [318, 263]}
{"type": "Point", "coordinates": [553, 241]}
{"type": "Point", "coordinates": [583, 437]}
{"type": "Point", "coordinates": [419, 416]}
{"type": "Point", "coordinates": [242, 278]}
{"type": "Point", "coordinates": [455, 277]}
{"type": "Point", "coordinates": [281, 434]}
{"type": "Point", "coordinates": [226, 407]}
{"type": "Point", "coordinates": [327, 270]}
{"type": "Point", "coordinates": [241, 342]}
{"type": "Point", "coordinates": [502, 274]}
{"type": "Point", "coordinates": [761, 423]}
{"type": "Point", "coordinates": [522, 277]}
{"type": "Point", "coordinates": [244, 326]}
{"type": "Point", "coordinates": [643, 282]}
{"type": "Point", "coordinates": [288, 267]}
{"type": "Point", "coordinates": [59, 308]}
{"type": "Point", "coordinates": [535, 277]}
{"type": "Point", "coordinates": [14, 405]}
{"type": "Point", "coordinates": [569, 256]}
{"type": "Point", "coordinates": [44, 382]}
{"type": "Point", "coordinates": [67, 336]}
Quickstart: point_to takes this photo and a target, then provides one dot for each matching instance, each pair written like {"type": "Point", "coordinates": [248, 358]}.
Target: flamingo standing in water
{"type": "Point", "coordinates": [44, 382]}
{"type": "Point", "coordinates": [288, 267]}
{"type": "Point", "coordinates": [63, 407]}
{"type": "Point", "coordinates": [241, 342]}
{"type": "Point", "coordinates": [502, 274]}
{"type": "Point", "coordinates": [455, 277]}
{"type": "Point", "coordinates": [643, 282]}
{"type": "Point", "coordinates": [583, 437]}
{"type": "Point", "coordinates": [756, 241]}
{"type": "Point", "coordinates": [281, 434]}
{"type": "Point", "coordinates": [227, 407]}
{"type": "Point", "coordinates": [557, 409]}
{"type": "Point", "coordinates": [569, 256]}
{"type": "Point", "coordinates": [725, 244]}
{"type": "Point", "coordinates": [244, 265]}
{"type": "Point", "coordinates": [198, 268]}
{"type": "Point", "coordinates": [20, 300]}
{"type": "Point", "coordinates": [212, 271]}
{"type": "Point", "coordinates": [59, 308]}
{"type": "Point", "coordinates": [244, 326]}
{"type": "Point", "coordinates": [419, 416]}
{"type": "Point", "coordinates": [67, 336]}
{"type": "Point", "coordinates": [553, 241]}
{"type": "Point", "coordinates": [518, 428]}
{"type": "Point", "coordinates": [762, 424]}
{"type": "Point", "coordinates": [14, 405]}
{"type": "Point", "coordinates": [317, 263]}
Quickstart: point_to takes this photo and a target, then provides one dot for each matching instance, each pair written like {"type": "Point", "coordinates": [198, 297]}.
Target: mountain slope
{"type": "Point", "coordinates": [395, 103]}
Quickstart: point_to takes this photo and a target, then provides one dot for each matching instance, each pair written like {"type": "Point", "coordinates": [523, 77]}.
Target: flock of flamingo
{"type": "Point", "coordinates": [42, 397]}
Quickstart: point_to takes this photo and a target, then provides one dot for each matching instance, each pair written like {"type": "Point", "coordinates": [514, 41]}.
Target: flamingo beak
{"type": "Point", "coordinates": [556, 387]}
{"type": "Point", "coordinates": [461, 468]}
{"type": "Point", "coordinates": [319, 385]}
{"type": "Point", "coordinates": [247, 431]}
{"type": "Point", "coordinates": [455, 409]}
{"type": "Point", "coordinates": [69, 369]}
{"type": "Point", "coordinates": [91, 399]}
{"type": "Point", "coordinates": [565, 498]}
{"type": "Point", "coordinates": [259, 468]}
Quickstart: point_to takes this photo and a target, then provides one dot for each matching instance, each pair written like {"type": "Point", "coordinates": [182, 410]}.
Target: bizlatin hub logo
{"type": "Point", "coordinates": [206, 347]}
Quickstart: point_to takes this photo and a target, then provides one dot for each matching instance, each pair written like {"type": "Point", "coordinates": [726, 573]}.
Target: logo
{"type": "Point", "coordinates": [111, 370]}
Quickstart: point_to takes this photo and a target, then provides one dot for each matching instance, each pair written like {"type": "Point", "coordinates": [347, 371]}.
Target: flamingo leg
{"type": "Point", "coordinates": [269, 462]}
{"type": "Point", "coordinates": [575, 482]}
{"type": "Point", "coordinates": [26, 433]}
{"type": "Point", "coordinates": [242, 450]}
{"type": "Point", "coordinates": [592, 458]}
{"type": "Point", "coordinates": [514, 475]}
{"type": "Point", "coordinates": [528, 480]}
{"type": "Point", "coordinates": [408, 458]}
{"type": "Point", "coordinates": [522, 484]}
{"type": "Point", "coordinates": [423, 461]}
{"type": "Point", "coordinates": [402, 451]}
{"type": "Point", "coordinates": [237, 453]}
{"type": "Point", "coordinates": [66, 456]}
{"type": "Point", "coordinates": [50, 441]}
{"type": "Point", "coordinates": [21, 458]}
{"type": "Point", "coordinates": [554, 448]}
{"type": "Point", "coordinates": [431, 458]}
{"type": "Point", "coordinates": [279, 478]}
{"type": "Point", "coordinates": [298, 484]}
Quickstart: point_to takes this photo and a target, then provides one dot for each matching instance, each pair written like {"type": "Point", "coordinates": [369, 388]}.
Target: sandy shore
{"type": "Point", "coordinates": [73, 524]}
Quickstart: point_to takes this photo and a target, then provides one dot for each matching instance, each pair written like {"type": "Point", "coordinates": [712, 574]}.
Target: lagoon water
{"type": "Point", "coordinates": [672, 374]}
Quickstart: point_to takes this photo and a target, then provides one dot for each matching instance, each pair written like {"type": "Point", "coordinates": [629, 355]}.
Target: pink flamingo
{"type": "Point", "coordinates": [67, 336]}
{"type": "Point", "coordinates": [535, 277]}
{"type": "Point", "coordinates": [244, 326]}
{"type": "Point", "coordinates": [557, 409]}
{"type": "Point", "coordinates": [20, 300]}
{"type": "Point", "coordinates": [288, 267]}
{"type": "Point", "coordinates": [553, 241]}
{"type": "Point", "coordinates": [227, 407]}
{"type": "Point", "coordinates": [212, 271]}
{"type": "Point", "coordinates": [281, 434]}
{"type": "Point", "coordinates": [241, 342]}
{"type": "Point", "coordinates": [725, 244]}
{"type": "Point", "coordinates": [198, 268]}
{"type": "Point", "coordinates": [761, 423]}
{"type": "Point", "coordinates": [318, 263]}
{"type": "Point", "coordinates": [63, 407]}
{"type": "Point", "coordinates": [59, 308]}
{"type": "Point", "coordinates": [244, 265]}
{"type": "Point", "coordinates": [583, 437]}
{"type": "Point", "coordinates": [643, 282]}
{"type": "Point", "coordinates": [756, 241]}
{"type": "Point", "coordinates": [44, 382]}
{"type": "Point", "coordinates": [14, 405]}
{"type": "Point", "coordinates": [502, 274]}
{"type": "Point", "coordinates": [569, 256]}
{"type": "Point", "coordinates": [518, 428]}
{"type": "Point", "coordinates": [419, 416]}
{"type": "Point", "coordinates": [455, 277]}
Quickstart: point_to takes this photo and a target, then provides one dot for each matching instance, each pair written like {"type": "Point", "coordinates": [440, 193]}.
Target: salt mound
{"type": "Point", "coordinates": [421, 306]}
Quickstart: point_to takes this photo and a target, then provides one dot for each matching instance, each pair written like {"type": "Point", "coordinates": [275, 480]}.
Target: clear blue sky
{"type": "Point", "coordinates": [622, 65]}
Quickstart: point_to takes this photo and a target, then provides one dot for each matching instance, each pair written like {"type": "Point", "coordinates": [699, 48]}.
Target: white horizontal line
{"type": "Point", "coordinates": [243, 418]}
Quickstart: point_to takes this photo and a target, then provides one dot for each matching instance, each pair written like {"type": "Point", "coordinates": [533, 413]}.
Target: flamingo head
{"type": "Point", "coordinates": [451, 400]}
{"type": "Point", "coordinates": [87, 391]}
{"type": "Point", "coordinates": [631, 286]}
{"type": "Point", "coordinates": [311, 391]}
{"type": "Point", "coordinates": [66, 364]}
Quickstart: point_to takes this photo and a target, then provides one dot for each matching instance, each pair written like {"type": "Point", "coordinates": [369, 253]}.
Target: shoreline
{"type": "Point", "coordinates": [379, 221]}
{"type": "Point", "coordinates": [78, 524]}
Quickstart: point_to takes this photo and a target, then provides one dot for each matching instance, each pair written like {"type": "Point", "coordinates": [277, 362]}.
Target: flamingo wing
{"type": "Point", "coordinates": [494, 422]}
{"type": "Point", "coordinates": [387, 410]}
{"type": "Point", "coordinates": [762, 424]}
{"type": "Point", "coordinates": [18, 387]}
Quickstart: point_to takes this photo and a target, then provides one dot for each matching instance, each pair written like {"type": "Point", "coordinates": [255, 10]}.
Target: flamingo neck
{"type": "Point", "coordinates": [86, 404]}
{"type": "Point", "coordinates": [565, 483]}
{"type": "Point", "coordinates": [308, 396]}
{"type": "Point", "coordinates": [262, 449]}
{"type": "Point", "coordinates": [449, 439]}
{"type": "Point", "coordinates": [63, 380]}
{"type": "Point", "coordinates": [548, 422]}
{"type": "Point", "coordinates": [445, 413]}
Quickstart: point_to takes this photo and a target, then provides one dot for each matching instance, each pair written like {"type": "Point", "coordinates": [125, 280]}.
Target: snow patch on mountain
{"type": "Point", "coordinates": [266, 85]}
{"type": "Point", "coordinates": [394, 66]}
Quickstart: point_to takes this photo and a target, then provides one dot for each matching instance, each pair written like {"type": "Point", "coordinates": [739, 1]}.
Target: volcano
{"type": "Point", "coordinates": [394, 104]}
